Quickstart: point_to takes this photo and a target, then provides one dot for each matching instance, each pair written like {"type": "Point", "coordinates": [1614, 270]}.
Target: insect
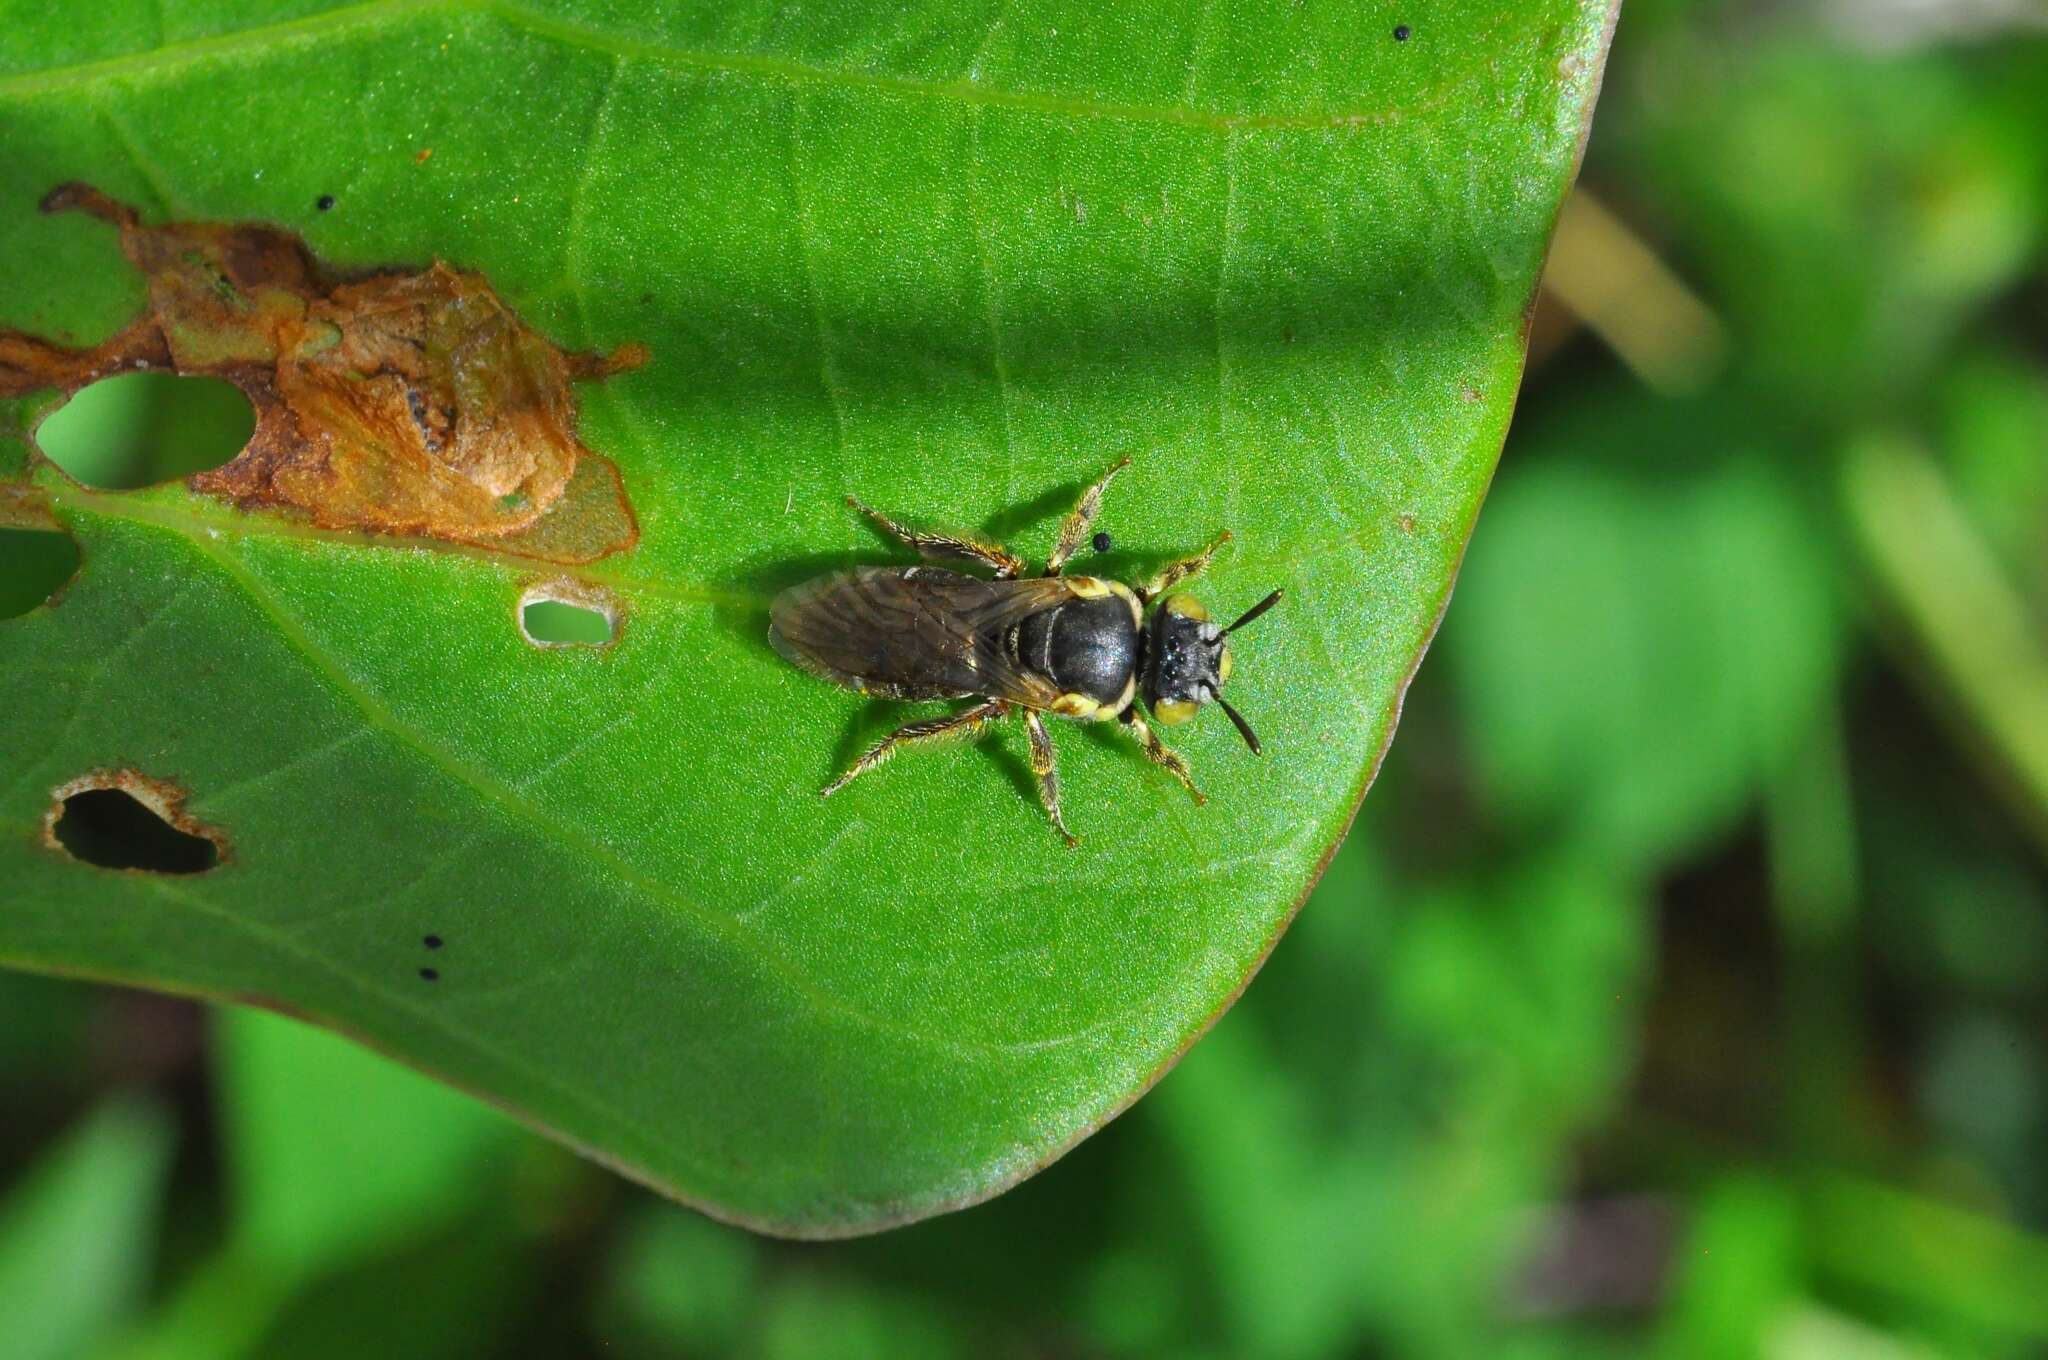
{"type": "Point", "coordinates": [1073, 646]}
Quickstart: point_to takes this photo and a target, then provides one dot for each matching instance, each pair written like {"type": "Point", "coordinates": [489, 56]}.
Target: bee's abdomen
{"type": "Point", "coordinates": [1085, 646]}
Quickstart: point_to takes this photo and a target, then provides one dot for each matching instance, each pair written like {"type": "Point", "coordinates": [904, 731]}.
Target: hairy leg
{"type": "Point", "coordinates": [1048, 777]}
{"type": "Point", "coordinates": [1180, 571]}
{"type": "Point", "coordinates": [1159, 753]}
{"type": "Point", "coordinates": [947, 547]}
{"type": "Point", "coordinates": [966, 725]}
{"type": "Point", "coordinates": [1075, 527]}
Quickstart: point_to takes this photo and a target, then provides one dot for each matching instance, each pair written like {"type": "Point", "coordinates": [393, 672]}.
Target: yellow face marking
{"type": "Point", "coordinates": [1188, 607]}
{"type": "Point", "coordinates": [1223, 666]}
{"type": "Point", "coordinates": [1174, 712]}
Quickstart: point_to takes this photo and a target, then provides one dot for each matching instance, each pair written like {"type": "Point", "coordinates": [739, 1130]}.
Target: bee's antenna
{"type": "Point", "coordinates": [1244, 729]}
{"type": "Point", "coordinates": [1242, 619]}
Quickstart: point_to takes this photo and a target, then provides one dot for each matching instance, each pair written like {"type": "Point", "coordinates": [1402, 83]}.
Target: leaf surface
{"type": "Point", "coordinates": [953, 261]}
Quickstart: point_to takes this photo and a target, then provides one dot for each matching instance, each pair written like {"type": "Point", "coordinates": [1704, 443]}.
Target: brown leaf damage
{"type": "Point", "coordinates": [163, 797]}
{"type": "Point", "coordinates": [408, 402]}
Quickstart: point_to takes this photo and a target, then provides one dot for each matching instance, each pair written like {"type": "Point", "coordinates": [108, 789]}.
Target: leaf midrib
{"type": "Point", "coordinates": [201, 520]}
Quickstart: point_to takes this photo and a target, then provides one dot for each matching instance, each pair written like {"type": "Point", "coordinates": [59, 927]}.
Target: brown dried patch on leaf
{"type": "Point", "coordinates": [396, 402]}
{"type": "Point", "coordinates": [24, 507]}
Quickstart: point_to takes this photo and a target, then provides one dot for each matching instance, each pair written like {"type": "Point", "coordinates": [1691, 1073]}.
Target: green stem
{"type": "Point", "coordinates": [1957, 607]}
{"type": "Point", "coordinates": [1809, 827]}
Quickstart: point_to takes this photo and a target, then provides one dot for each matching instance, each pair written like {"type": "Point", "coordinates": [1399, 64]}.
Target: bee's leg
{"type": "Point", "coordinates": [1048, 777]}
{"type": "Point", "coordinates": [1083, 514]}
{"type": "Point", "coordinates": [947, 547]}
{"type": "Point", "coordinates": [1179, 571]}
{"type": "Point", "coordinates": [965, 725]}
{"type": "Point", "coordinates": [1159, 753]}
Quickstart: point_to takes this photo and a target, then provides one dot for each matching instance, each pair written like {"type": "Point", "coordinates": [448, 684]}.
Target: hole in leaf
{"type": "Point", "coordinates": [34, 565]}
{"type": "Point", "coordinates": [116, 830]}
{"type": "Point", "coordinates": [558, 623]}
{"type": "Point", "coordinates": [399, 401]}
{"type": "Point", "coordinates": [567, 614]}
{"type": "Point", "coordinates": [137, 429]}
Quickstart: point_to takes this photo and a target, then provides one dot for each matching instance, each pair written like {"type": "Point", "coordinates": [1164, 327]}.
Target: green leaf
{"type": "Point", "coordinates": [1482, 1025]}
{"type": "Point", "coordinates": [1641, 644]}
{"type": "Point", "coordinates": [955, 265]}
{"type": "Point", "coordinates": [337, 1159]}
{"type": "Point", "coordinates": [337, 1153]}
{"type": "Point", "coordinates": [679, 1285]}
{"type": "Point", "coordinates": [1738, 1276]}
{"type": "Point", "coordinates": [77, 1236]}
{"type": "Point", "coordinates": [1848, 210]}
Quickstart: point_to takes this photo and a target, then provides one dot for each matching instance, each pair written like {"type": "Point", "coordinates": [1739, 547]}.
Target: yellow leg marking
{"type": "Point", "coordinates": [1048, 777]}
{"type": "Point", "coordinates": [1181, 570]}
{"type": "Point", "coordinates": [946, 547]}
{"type": "Point", "coordinates": [1161, 754]}
{"type": "Point", "coordinates": [966, 725]}
{"type": "Point", "coordinates": [1075, 527]}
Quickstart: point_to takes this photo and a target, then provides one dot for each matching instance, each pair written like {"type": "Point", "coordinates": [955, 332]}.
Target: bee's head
{"type": "Point", "coordinates": [1187, 660]}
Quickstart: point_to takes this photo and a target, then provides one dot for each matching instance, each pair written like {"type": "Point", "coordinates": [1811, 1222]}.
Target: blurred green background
{"type": "Point", "coordinates": [1682, 990]}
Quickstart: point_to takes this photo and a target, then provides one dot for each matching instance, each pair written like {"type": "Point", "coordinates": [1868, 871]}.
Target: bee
{"type": "Point", "coordinates": [1076, 647]}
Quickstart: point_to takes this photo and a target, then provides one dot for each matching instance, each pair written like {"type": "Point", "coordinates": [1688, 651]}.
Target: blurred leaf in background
{"type": "Point", "coordinates": [77, 1233]}
{"type": "Point", "coordinates": [1646, 628]}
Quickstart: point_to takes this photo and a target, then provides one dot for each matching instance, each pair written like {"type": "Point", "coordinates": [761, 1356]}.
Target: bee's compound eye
{"type": "Point", "coordinates": [1223, 667]}
{"type": "Point", "coordinates": [1188, 607]}
{"type": "Point", "coordinates": [1174, 712]}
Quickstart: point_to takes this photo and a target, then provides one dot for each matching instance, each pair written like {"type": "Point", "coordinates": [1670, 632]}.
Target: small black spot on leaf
{"type": "Point", "coordinates": [430, 975]}
{"type": "Point", "coordinates": [431, 941]}
{"type": "Point", "coordinates": [1400, 33]}
{"type": "Point", "coordinates": [1102, 543]}
{"type": "Point", "coordinates": [324, 202]}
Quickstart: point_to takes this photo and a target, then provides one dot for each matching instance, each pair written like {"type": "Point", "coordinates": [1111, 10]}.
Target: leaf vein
{"type": "Point", "coordinates": [95, 676]}
{"type": "Point", "coordinates": [419, 1013]}
{"type": "Point", "coordinates": [806, 230]}
{"type": "Point", "coordinates": [757, 65]}
{"type": "Point", "coordinates": [991, 307]}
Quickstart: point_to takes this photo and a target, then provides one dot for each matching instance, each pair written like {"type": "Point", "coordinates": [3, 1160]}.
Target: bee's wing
{"type": "Point", "coordinates": [914, 632]}
{"type": "Point", "coordinates": [999, 676]}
